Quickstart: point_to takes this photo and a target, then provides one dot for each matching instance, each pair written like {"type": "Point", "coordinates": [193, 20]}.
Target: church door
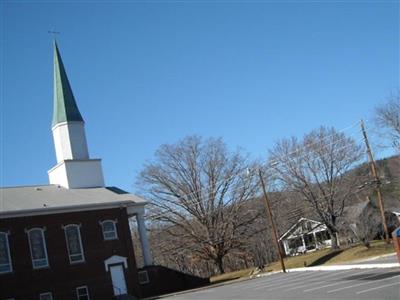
{"type": "Point", "coordinates": [118, 279]}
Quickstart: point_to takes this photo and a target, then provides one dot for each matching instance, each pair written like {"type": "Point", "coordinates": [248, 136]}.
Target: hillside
{"type": "Point", "coordinates": [288, 209]}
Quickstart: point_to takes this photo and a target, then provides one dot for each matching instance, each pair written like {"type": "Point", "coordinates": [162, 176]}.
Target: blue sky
{"type": "Point", "coordinates": [145, 74]}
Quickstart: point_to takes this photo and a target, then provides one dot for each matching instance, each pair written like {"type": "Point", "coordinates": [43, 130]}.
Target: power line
{"type": "Point", "coordinates": [187, 248]}
{"type": "Point", "coordinates": [235, 189]}
{"type": "Point", "coordinates": [291, 153]}
{"type": "Point", "coordinates": [198, 191]}
{"type": "Point", "coordinates": [223, 240]}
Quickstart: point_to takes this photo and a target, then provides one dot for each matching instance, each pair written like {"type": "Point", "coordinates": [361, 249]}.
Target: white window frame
{"type": "Point", "coordinates": [115, 237]}
{"type": "Point", "coordinates": [146, 274]}
{"type": "Point", "coordinates": [82, 287]}
{"type": "Point", "coordinates": [6, 234]}
{"type": "Point", "coordinates": [78, 226]}
{"type": "Point", "coordinates": [46, 294]}
{"type": "Point", "coordinates": [42, 230]}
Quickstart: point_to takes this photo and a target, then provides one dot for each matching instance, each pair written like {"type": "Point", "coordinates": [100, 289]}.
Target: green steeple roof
{"type": "Point", "coordinates": [65, 108]}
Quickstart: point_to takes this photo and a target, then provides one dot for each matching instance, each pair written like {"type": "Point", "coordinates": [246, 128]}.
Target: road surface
{"type": "Point", "coordinates": [373, 284]}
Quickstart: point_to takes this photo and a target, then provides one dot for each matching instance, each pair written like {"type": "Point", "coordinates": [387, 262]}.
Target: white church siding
{"type": "Point", "coordinates": [70, 141]}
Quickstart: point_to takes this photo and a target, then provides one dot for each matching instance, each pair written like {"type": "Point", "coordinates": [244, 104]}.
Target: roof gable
{"type": "Point", "coordinates": [297, 227]}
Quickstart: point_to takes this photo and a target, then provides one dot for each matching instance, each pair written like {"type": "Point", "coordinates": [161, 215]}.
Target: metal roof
{"type": "Point", "coordinates": [65, 108]}
{"type": "Point", "coordinates": [44, 199]}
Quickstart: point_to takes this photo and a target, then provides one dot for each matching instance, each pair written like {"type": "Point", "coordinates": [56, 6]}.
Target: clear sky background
{"type": "Point", "coordinates": [151, 72]}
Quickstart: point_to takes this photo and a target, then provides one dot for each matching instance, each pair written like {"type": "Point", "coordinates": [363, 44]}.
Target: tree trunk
{"type": "Point", "coordinates": [220, 265]}
{"type": "Point", "coordinates": [334, 240]}
{"type": "Point", "coordinates": [366, 243]}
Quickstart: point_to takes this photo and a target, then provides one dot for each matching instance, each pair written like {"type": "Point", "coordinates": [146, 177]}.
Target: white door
{"type": "Point", "coordinates": [118, 280]}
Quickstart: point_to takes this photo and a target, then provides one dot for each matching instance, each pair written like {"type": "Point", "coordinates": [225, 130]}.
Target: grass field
{"type": "Point", "coordinates": [299, 261]}
{"type": "Point", "coordinates": [354, 253]}
{"type": "Point", "coordinates": [360, 252]}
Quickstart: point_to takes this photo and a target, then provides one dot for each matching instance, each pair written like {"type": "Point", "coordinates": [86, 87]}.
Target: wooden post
{"type": "Point", "coordinates": [374, 171]}
{"type": "Point", "coordinates": [274, 233]}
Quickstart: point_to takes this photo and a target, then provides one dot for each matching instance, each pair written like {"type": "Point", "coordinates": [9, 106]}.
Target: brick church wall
{"type": "Point", "coordinates": [62, 278]}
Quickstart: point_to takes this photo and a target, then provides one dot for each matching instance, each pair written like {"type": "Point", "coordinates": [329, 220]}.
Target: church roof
{"type": "Point", "coordinates": [65, 108]}
{"type": "Point", "coordinates": [46, 199]}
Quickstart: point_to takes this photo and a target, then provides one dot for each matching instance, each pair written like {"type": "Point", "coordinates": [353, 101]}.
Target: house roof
{"type": "Point", "coordinates": [301, 220]}
{"type": "Point", "coordinates": [356, 209]}
{"type": "Point", "coordinates": [45, 199]}
{"type": "Point", "coordinates": [65, 108]}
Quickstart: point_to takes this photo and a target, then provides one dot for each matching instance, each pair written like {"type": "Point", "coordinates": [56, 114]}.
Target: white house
{"type": "Point", "coordinates": [306, 235]}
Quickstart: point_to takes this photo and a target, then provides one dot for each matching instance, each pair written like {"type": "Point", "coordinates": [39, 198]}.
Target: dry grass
{"type": "Point", "coordinates": [355, 253]}
{"type": "Point", "coordinates": [361, 252]}
{"type": "Point", "coordinates": [299, 260]}
{"type": "Point", "coordinates": [231, 275]}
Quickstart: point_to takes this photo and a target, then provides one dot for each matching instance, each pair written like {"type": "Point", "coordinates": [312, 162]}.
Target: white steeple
{"type": "Point", "coordinates": [74, 168]}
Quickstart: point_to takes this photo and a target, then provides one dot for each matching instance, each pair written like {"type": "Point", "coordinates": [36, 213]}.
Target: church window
{"type": "Point", "coordinates": [46, 296]}
{"type": "Point", "coordinates": [109, 230]}
{"type": "Point", "coordinates": [37, 245]}
{"type": "Point", "coordinates": [74, 243]}
{"type": "Point", "coordinates": [82, 293]}
{"type": "Point", "coordinates": [5, 258]}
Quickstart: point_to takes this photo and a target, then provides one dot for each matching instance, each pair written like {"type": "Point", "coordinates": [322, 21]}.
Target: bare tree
{"type": "Point", "coordinates": [363, 221]}
{"type": "Point", "coordinates": [387, 118]}
{"type": "Point", "coordinates": [199, 190]}
{"type": "Point", "coordinates": [317, 168]}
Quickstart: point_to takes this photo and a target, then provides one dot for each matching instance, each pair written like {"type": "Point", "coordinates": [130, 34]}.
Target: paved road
{"type": "Point", "coordinates": [352, 284]}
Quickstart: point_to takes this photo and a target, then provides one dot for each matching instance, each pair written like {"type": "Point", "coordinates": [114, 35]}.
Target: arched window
{"type": "Point", "coordinates": [74, 243]}
{"type": "Point", "coordinates": [5, 257]}
{"type": "Point", "coordinates": [109, 229]}
{"type": "Point", "coordinates": [37, 245]}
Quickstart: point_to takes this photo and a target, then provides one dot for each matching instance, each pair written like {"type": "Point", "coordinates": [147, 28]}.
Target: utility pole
{"type": "Point", "coordinates": [374, 171]}
{"type": "Point", "coordinates": [274, 233]}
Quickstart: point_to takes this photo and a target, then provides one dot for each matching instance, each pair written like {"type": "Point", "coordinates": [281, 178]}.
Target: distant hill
{"type": "Point", "coordinates": [389, 172]}
{"type": "Point", "coordinates": [288, 208]}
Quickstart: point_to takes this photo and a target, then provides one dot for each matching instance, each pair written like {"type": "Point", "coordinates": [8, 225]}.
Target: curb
{"type": "Point", "coordinates": [347, 267]}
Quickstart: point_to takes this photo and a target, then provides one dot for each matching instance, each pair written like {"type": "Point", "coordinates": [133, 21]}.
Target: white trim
{"type": "Point", "coordinates": [66, 123]}
{"type": "Point", "coordinates": [72, 160]}
{"type": "Point", "coordinates": [6, 234]}
{"type": "Point", "coordinates": [72, 208]}
{"type": "Point", "coordinates": [114, 222]}
{"type": "Point", "coordinates": [46, 294]}
{"type": "Point", "coordinates": [77, 226]}
{"type": "Point", "coordinates": [297, 223]}
{"type": "Point", "coordinates": [115, 259]}
{"type": "Point", "coordinates": [82, 287]}
{"type": "Point", "coordinates": [44, 246]}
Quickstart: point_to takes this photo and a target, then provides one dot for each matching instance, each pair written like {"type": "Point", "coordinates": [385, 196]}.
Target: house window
{"type": "Point", "coordinates": [143, 277]}
{"type": "Point", "coordinates": [5, 258]}
{"type": "Point", "coordinates": [37, 245]}
{"type": "Point", "coordinates": [82, 293]}
{"type": "Point", "coordinates": [109, 230]}
{"type": "Point", "coordinates": [74, 243]}
{"type": "Point", "coordinates": [46, 296]}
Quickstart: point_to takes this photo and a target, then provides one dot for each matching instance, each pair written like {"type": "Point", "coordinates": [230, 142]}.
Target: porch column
{"type": "Point", "coordinates": [337, 239]}
{"type": "Point", "coordinates": [148, 260]}
{"type": "Point", "coordinates": [286, 246]}
{"type": "Point", "coordinates": [304, 243]}
{"type": "Point", "coordinates": [315, 240]}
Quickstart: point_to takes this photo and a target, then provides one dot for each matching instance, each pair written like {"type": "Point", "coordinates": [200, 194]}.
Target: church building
{"type": "Point", "coordinates": [70, 239]}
